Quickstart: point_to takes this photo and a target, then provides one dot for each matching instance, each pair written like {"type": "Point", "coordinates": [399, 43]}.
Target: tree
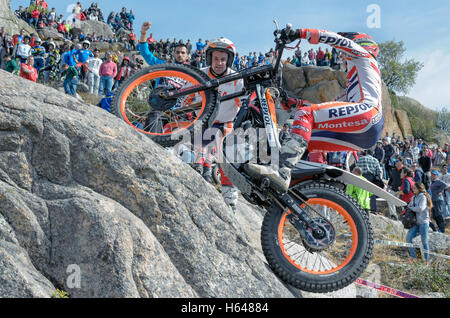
{"type": "Point", "coordinates": [443, 121]}
{"type": "Point", "coordinates": [398, 75]}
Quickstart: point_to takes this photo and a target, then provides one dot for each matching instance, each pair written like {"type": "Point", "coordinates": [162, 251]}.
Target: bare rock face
{"type": "Point", "coordinates": [79, 187]}
{"type": "Point", "coordinates": [403, 122]}
{"type": "Point", "coordinates": [9, 20]}
{"type": "Point", "coordinates": [90, 27]}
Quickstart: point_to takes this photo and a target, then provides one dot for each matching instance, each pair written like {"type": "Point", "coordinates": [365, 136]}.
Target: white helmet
{"type": "Point", "coordinates": [87, 42]}
{"type": "Point", "coordinates": [224, 45]}
{"type": "Point", "coordinates": [52, 43]}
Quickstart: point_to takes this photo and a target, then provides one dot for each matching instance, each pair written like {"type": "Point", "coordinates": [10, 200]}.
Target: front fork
{"type": "Point", "coordinates": [317, 234]}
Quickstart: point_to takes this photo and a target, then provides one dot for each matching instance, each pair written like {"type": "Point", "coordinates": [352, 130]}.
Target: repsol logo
{"type": "Point", "coordinates": [335, 41]}
{"type": "Point", "coordinates": [357, 123]}
{"type": "Point", "coordinates": [348, 110]}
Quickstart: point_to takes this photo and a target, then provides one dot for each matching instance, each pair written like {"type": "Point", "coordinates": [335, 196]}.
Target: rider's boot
{"type": "Point", "coordinates": [198, 167]}
{"type": "Point", "coordinates": [207, 174]}
{"type": "Point", "coordinates": [290, 154]}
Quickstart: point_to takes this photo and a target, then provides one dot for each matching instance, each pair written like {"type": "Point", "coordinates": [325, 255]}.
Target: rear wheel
{"type": "Point", "coordinates": [312, 270]}
{"type": "Point", "coordinates": [165, 121]}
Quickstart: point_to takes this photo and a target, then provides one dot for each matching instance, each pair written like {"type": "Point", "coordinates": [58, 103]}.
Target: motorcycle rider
{"type": "Point", "coordinates": [353, 122]}
{"type": "Point", "coordinates": [220, 55]}
{"type": "Point", "coordinates": [38, 51]}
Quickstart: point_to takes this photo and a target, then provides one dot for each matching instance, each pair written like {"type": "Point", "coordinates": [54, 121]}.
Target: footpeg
{"type": "Point", "coordinates": [265, 183]}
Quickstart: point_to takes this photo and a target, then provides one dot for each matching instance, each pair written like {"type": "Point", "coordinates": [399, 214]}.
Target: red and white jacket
{"type": "Point", "coordinates": [364, 77]}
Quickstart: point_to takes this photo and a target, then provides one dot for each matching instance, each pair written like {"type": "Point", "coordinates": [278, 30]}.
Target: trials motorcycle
{"type": "Point", "coordinates": [315, 237]}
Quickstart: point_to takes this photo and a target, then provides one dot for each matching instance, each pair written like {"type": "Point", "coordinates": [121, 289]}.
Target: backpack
{"type": "Point", "coordinates": [408, 218]}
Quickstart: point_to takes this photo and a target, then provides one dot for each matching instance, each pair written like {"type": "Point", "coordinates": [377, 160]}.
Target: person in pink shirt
{"type": "Point", "coordinates": [108, 70]}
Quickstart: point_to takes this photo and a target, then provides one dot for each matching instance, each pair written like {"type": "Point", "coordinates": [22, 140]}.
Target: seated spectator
{"type": "Point", "coordinates": [105, 102]}
{"type": "Point", "coordinates": [360, 195]}
{"type": "Point", "coordinates": [27, 70]}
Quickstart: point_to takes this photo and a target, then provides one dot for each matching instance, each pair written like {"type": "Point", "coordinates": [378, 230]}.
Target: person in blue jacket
{"type": "Point", "coordinates": [181, 54]}
{"type": "Point", "coordinates": [105, 103]}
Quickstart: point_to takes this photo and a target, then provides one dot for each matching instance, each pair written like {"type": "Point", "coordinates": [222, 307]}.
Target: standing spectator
{"type": "Point", "coordinates": [439, 157]}
{"type": "Point", "coordinates": [320, 56]}
{"type": "Point", "coordinates": [93, 67]}
{"type": "Point", "coordinates": [23, 49]}
{"type": "Point", "coordinates": [71, 81]}
{"type": "Point", "coordinates": [132, 41]}
{"type": "Point", "coordinates": [371, 170]}
{"type": "Point", "coordinates": [108, 70]}
{"type": "Point", "coordinates": [200, 45]}
{"type": "Point", "coordinates": [189, 46]}
{"type": "Point", "coordinates": [34, 17]}
{"type": "Point", "coordinates": [421, 205]}
{"type": "Point", "coordinates": [406, 189]}
{"type": "Point", "coordinates": [389, 153]}
{"type": "Point", "coordinates": [418, 173]}
{"type": "Point", "coordinates": [415, 150]}
{"type": "Point", "coordinates": [28, 71]}
{"type": "Point", "coordinates": [407, 153]}
{"type": "Point", "coordinates": [394, 184]}
{"type": "Point", "coordinates": [425, 164]}
{"type": "Point", "coordinates": [360, 195]}
{"type": "Point", "coordinates": [379, 155]}
{"type": "Point", "coordinates": [123, 73]}
{"type": "Point", "coordinates": [437, 189]}
{"type": "Point", "coordinates": [445, 177]}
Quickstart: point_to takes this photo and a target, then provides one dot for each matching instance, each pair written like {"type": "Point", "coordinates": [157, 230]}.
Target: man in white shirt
{"type": "Point", "coordinates": [93, 66]}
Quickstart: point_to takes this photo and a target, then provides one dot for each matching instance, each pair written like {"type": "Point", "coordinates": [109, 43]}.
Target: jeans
{"type": "Point", "coordinates": [437, 212]}
{"type": "Point", "coordinates": [447, 204]}
{"type": "Point", "coordinates": [106, 83]}
{"type": "Point", "coordinates": [93, 83]}
{"type": "Point", "coordinates": [34, 22]}
{"type": "Point", "coordinates": [422, 230]}
{"type": "Point", "coordinates": [70, 86]}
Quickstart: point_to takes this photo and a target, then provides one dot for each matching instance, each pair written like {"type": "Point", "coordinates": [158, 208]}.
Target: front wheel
{"type": "Point", "coordinates": [312, 270]}
{"type": "Point", "coordinates": [165, 121]}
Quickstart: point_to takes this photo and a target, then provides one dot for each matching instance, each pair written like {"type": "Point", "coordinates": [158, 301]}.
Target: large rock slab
{"type": "Point", "coordinates": [80, 187]}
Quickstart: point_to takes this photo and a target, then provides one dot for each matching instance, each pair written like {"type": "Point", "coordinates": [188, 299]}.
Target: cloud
{"type": "Point", "coordinates": [433, 82]}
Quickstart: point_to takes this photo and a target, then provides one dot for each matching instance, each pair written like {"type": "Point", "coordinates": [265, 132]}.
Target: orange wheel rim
{"type": "Point", "coordinates": [152, 76]}
{"type": "Point", "coordinates": [305, 266]}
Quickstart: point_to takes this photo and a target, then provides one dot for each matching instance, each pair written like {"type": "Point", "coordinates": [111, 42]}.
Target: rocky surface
{"type": "Point", "coordinates": [9, 20]}
{"type": "Point", "coordinates": [78, 186]}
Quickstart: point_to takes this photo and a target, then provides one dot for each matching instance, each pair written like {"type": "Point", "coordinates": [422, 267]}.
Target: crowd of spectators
{"type": "Point", "coordinates": [397, 164]}
{"type": "Point", "coordinates": [316, 58]}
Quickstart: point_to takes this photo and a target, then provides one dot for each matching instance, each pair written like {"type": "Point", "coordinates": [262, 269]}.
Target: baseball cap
{"type": "Point", "coordinates": [436, 172]}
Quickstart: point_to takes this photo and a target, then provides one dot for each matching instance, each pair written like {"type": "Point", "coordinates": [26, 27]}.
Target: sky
{"type": "Point", "coordinates": [423, 26]}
